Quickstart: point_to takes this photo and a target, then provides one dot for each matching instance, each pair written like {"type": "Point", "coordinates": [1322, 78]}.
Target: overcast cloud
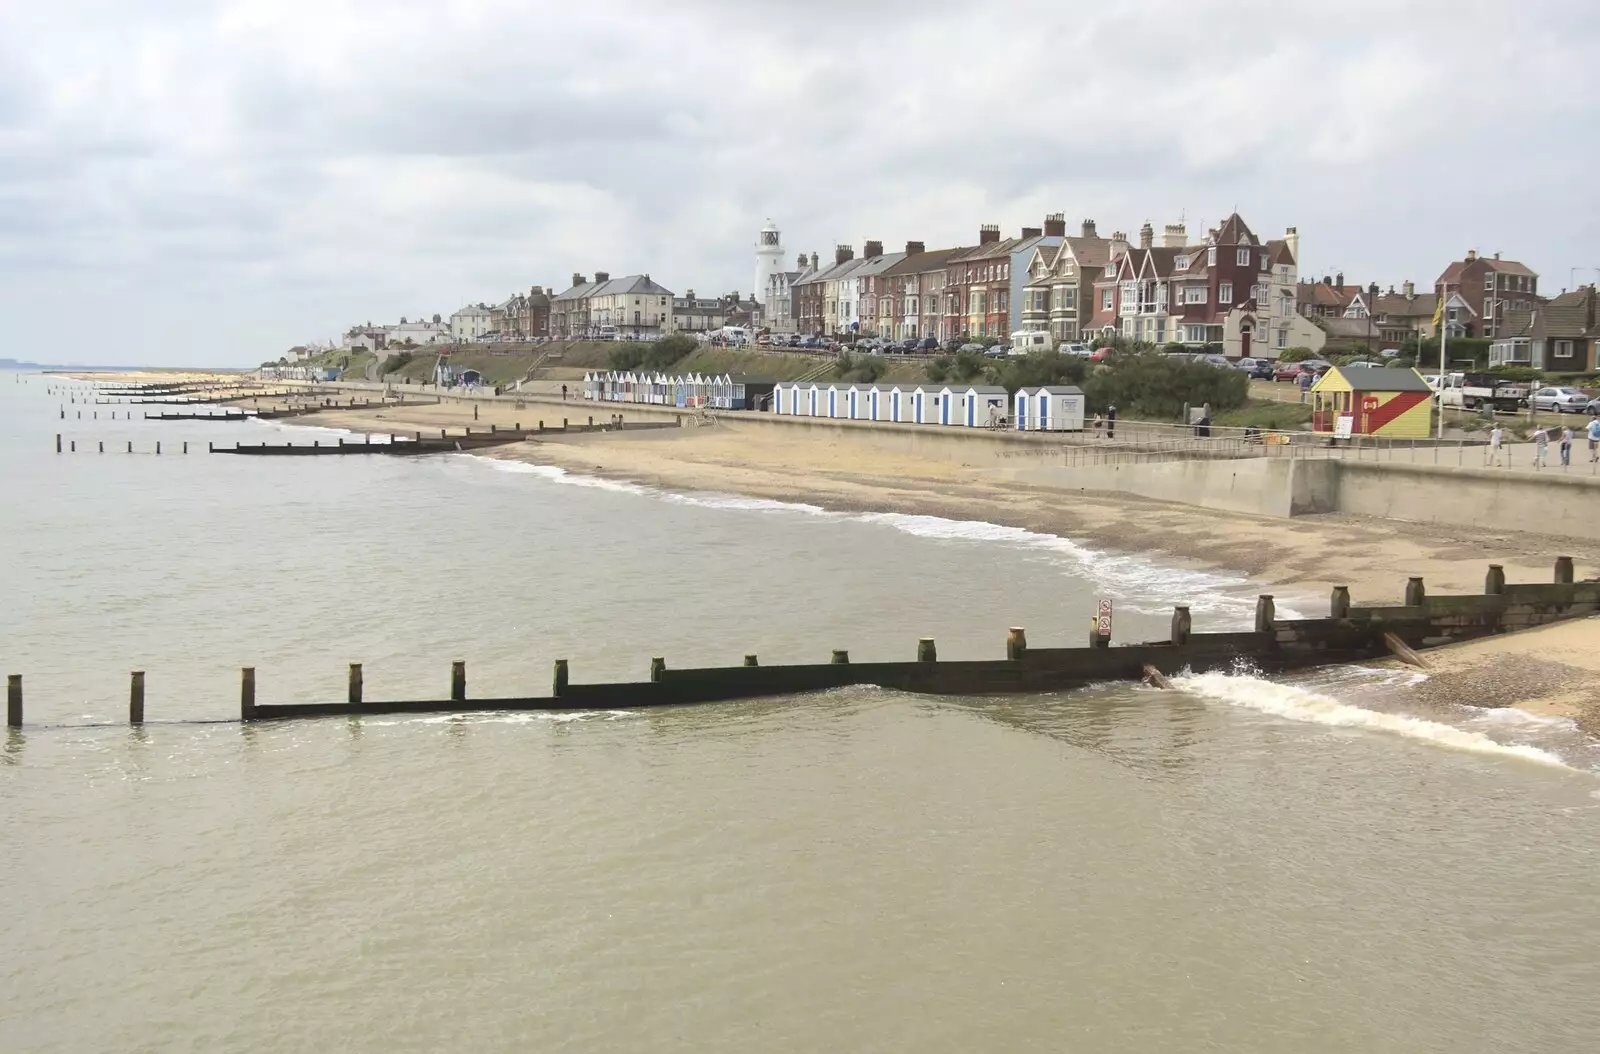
{"type": "Point", "coordinates": [184, 181]}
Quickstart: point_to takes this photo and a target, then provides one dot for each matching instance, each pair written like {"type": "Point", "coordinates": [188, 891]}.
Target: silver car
{"type": "Point", "coordinates": [1560, 400]}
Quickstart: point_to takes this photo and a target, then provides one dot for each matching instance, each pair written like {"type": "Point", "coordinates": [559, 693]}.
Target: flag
{"type": "Point", "coordinates": [1438, 315]}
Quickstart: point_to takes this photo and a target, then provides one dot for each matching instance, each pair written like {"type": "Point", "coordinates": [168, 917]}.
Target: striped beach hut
{"type": "Point", "coordinates": [1374, 401]}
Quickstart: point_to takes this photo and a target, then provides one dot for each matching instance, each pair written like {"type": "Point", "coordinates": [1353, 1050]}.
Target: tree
{"type": "Point", "coordinates": [1032, 371]}
{"type": "Point", "coordinates": [1295, 354]}
{"type": "Point", "coordinates": [864, 369]}
{"type": "Point", "coordinates": [1149, 384]}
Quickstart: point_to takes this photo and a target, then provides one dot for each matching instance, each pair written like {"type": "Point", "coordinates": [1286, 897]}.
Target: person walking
{"type": "Point", "coordinates": [1594, 437]}
{"type": "Point", "coordinates": [1491, 456]}
{"type": "Point", "coordinates": [563, 393]}
{"type": "Point", "coordinates": [1305, 383]}
{"type": "Point", "coordinates": [1566, 447]}
{"type": "Point", "coordinates": [1111, 422]}
{"type": "Point", "coordinates": [1541, 447]}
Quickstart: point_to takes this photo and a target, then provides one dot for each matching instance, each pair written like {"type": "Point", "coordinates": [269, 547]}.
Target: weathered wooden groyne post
{"type": "Point", "coordinates": [1564, 570]}
{"type": "Point", "coordinates": [136, 698]}
{"type": "Point", "coordinates": [1339, 602]}
{"type": "Point", "coordinates": [750, 660]}
{"type": "Point", "coordinates": [926, 650]}
{"type": "Point", "coordinates": [558, 680]}
{"type": "Point", "coordinates": [458, 681]}
{"type": "Point", "coordinates": [840, 657]}
{"type": "Point", "coordinates": [658, 669]}
{"type": "Point", "coordinates": [1016, 643]}
{"type": "Point", "coordinates": [247, 693]}
{"type": "Point", "coordinates": [1181, 625]}
{"type": "Point", "coordinates": [1266, 613]}
{"type": "Point", "coordinates": [1416, 593]}
{"type": "Point", "coordinates": [1494, 583]}
{"type": "Point", "coordinates": [14, 700]}
{"type": "Point", "coordinates": [354, 692]}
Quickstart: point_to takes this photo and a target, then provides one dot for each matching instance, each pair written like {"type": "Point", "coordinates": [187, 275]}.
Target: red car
{"type": "Point", "coordinates": [1291, 371]}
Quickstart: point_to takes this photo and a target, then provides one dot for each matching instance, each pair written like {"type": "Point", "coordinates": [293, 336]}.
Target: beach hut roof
{"type": "Point", "coordinates": [984, 389]}
{"type": "Point", "coordinates": [1058, 389]}
{"type": "Point", "coordinates": [1382, 379]}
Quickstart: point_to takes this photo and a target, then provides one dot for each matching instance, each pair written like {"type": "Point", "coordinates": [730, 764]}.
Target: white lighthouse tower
{"type": "Point", "coordinates": [769, 258]}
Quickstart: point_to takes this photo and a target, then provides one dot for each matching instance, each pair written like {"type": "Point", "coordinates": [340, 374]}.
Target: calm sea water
{"type": "Point", "coordinates": [1240, 865]}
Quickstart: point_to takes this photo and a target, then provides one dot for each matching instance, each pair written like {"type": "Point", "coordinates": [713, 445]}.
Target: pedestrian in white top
{"type": "Point", "coordinates": [1491, 456]}
{"type": "Point", "coordinates": [1594, 438]}
{"type": "Point", "coordinates": [1541, 447]}
{"type": "Point", "coordinates": [1566, 447]}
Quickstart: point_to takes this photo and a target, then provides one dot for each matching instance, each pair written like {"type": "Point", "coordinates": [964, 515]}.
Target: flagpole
{"type": "Point", "coordinates": [1444, 336]}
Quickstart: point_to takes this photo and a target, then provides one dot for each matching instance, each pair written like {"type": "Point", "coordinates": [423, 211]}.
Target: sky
{"type": "Point", "coordinates": [209, 182]}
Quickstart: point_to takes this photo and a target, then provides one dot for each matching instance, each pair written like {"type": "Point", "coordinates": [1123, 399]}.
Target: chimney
{"type": "Point", "coordinates": [1291, 238]}
{"type": "Point", "coordinates": [914, 248]}
{"type": "Point", "coordinates": [871, 250]}
{"type": "Point", "coordinates": [1175, 236]}
{"type": "Point", "coordinates": [578, 279]}
{"type": "Point", "coordinates": [842, 254]}
{"type": "Point", "coordinates": [689, 295]}
{"type": "Point", "coordinates": [800, 261]}
{"type": "Point", "coordinates": [1497, 255]}
{"type": "Point", "coordinates": [1372, 290]}
{"type": "Point", "coordinates": [1472, 254]}
{"type": "Point", "coordinates": [1147, 236]}
{"type": "Point", "coordinates": [988, 234]}
{"type": "Point", "coordinates": [814, 261]}
{"type": "Point", "coordinates": [1119, 244]}
{"type": "Point", "coordinates": [1338, 281]}
{"type": "Point", "coordinates": [1055, 225]}
{"type": "Point", "coordinates": [1088, 229]}
{"type": "Point", "coordinates": [1032, 232]}
{"type": "Point", "coordinates": [602, 276]}
{"type": "Point", "coordinates": [1326, 280]}
{"type": "Point", "coordinates": [1410, 289]}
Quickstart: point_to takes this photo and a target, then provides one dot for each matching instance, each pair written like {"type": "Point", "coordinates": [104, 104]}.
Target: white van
{"type": "Point", "coordinates": [1073, 349]}
{"type": "Point", "coordinates": [1027, 341]}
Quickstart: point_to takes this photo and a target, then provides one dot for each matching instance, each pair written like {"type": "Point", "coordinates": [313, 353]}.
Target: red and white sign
{"type": "Point", "coordinates": [1102, 622]}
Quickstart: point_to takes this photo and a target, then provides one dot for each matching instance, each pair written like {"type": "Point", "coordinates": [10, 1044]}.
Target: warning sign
{"type": "Point", "coordinates": [1102, 621]}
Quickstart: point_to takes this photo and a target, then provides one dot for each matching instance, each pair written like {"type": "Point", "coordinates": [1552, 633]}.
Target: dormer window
{"type": "Point", "coordinates": [1211, 256]}
{"type": "Point", "coordinates": [1182, 262]}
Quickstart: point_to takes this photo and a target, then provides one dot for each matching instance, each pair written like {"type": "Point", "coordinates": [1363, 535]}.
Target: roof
{"type": "Point", "coordinates": [1452, 274]}
{"type": "Point", "coordinates": [980, 389]}
{"type": "Point", "coordinates": [876, 265]}
{"type": "Point", "coordinates": [1235, 232]}
{"type": "Point", "coordinates": [1089, 252]}
{"type": "Point", "coordinates": [1571, 314]}
{"type": "Point", "coordinates": [920, 262]}
{"type": "Point", "coordinates": [578, 292]}
{"type": "Point", "coordinates": [1056, 389]}
{"type": "Point", "coordinates": [1397, 305]}
{"type": "Point", "coordinates": [1382, 379]}
{"type": "Point", "coordinates": [633, 283]}
{"type": "Point", "coordinates": [1278, 252]}
{"type": "Point", "coordinates": [1357, 328]}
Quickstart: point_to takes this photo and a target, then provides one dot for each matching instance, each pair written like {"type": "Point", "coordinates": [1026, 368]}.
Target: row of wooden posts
{"type": "Point", "coordinates": [1016, 643]}
{"type": "Point", "coordinates": [72, 446]}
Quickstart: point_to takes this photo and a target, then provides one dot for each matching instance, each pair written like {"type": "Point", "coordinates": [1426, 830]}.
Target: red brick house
{"type": "Point", "coordinates": [1490, 287]}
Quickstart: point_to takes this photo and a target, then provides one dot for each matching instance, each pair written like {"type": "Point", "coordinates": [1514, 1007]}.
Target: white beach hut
{"type": "Point", "coordinates": [892, 404]}
{"type": "Point", "coordinates": [1057, 408]}
{"type": "Point", "coordinates": [862, 397]}
{"type": "Point", "coordinates": [877, 403]}
{"type": "Point", "coordinates": [1022, 409]}
{"type": "Point", "coordinates": [981, 406]}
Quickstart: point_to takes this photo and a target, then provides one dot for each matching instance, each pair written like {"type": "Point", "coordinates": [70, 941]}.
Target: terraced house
{"type": "Point", "coordinates": [1061, 283]}
{"type": "Point", "coordinates": [983, 285]}
{"type": "Point", "coordinates": [909, 306]}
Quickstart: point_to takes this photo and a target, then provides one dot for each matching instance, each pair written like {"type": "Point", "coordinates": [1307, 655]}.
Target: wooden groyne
{"type": "Point", "coordinates": [425, 442]}
{"type": "Point", "coordinates": [1349, 633]}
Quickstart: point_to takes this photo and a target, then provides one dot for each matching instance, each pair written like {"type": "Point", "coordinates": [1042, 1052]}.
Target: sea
{"type": "Point", "coordinates": [1312, 863]}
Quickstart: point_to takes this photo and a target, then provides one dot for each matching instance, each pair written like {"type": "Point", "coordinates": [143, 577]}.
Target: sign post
{"type": "Point", "coordinates": [1102, 624]}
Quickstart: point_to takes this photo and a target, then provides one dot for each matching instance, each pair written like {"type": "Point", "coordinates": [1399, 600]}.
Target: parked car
{"type": "Point", "coordinates": [1074, 349]}
{"type": "Point", "coordinates": [1560, 400]}
{"type": "Point", "coordinates": [1099, 354]}
{"type": "Point", "coordinates": [930, 343]}
{"type": "Point", "coordinates": [1593, 408]}
{"type": "Point", "coordinates": [972, 347]}
{"type": "Point", "coordinates": [1363, 365]}
{"type": "Point", "coordinates": [1291, 371]}
{"type": "Point", "coordinates": [998, 351]}
{"type": "Point", "coordinates": [1258, 369]}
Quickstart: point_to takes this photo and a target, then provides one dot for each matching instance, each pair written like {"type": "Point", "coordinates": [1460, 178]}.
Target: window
{"type": "Point", "coordinates": [1265, 266]}
{"type": "Point", "coordinates": [1488, 280]}
{"type": "Point", "coordinates": [1196, 294]}
{"type": "Point", "coordinates": [1182, 263]}
{"type": "Point", "coordinates": [1069, 297]}
{"type": "Point", "coordinates": [1211, 256]}
{"type": "Point", "coordinates": [1282, 340]}
{"type": "Point", "coordinates": [1242, 257]}
{"type": "Point", "coordinates": [1105, 299]}
{"type": "Point", "coordinates": [1563, 349]}
{"type": "Point", "coordinates": [1225, 293]}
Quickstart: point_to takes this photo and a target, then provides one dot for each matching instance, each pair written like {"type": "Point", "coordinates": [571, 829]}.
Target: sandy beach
{"type": "Point", "coordinates": [1297, 560]}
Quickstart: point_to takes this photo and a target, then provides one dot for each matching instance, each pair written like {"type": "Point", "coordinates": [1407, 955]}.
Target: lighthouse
{"type": "Point", "coordinates": [769, 258]}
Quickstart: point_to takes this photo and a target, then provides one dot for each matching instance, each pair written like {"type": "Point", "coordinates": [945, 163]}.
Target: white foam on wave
{"type": "Point", "coordinates": [1299, 704]}
{"type": "Point", "coordinates": [1514, 718]}
{"type": "Point", "coordinates": [1142, 584]}
{"type": "Point", "coordinates": [494, 717]}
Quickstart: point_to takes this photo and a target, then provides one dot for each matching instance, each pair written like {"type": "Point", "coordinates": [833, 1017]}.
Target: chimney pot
{"type": "Point", "coordinates": [1147, 236]}
{"type": "Point", "coordinates": [843, 254]}
{"type": "Point", "coordinates": [872, 250]}
{"type": "Point", "coordinates": [1472, 254]}
{"type": "Point", "coordinates": [914, 248]}
{"type": "Point", "coordinates": [602, 276]}
{"type": "Point", "coordinates": [988, 234]}
{"type": "Point", "coordinates": [1175, 236]}
{"type": "Point", "coordinates": [1088, 229]}
{"type": "Point", "coordinates": [1055, 225]}
{"type": "Point", "coordinates": [1032, 232]}
{"type": "Point", "coordinates": [578, 279]}
{"type": "Point", "coordinates": [1410, 289]}
{"type": "Point", "coordinates": [1497, 255]}
{"type": "Point", "coordinates": [1338, 281]}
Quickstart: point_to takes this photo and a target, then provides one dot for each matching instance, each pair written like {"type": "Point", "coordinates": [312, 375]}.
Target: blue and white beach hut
{"type": "Point", "coordinates": [1052, 408]}
{"type": "Point", "coordinates": [982, 406]}
{"type": "Point", "coordinates": [862, 397]}
{"type": "Point", "coordinates": [896, 402]}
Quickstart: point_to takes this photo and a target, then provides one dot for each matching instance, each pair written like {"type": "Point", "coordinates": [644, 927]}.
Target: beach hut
{"type": "Point", "coordinates": [943, 406]}
{"type": "Point", "coordinates": [781, 399]}
{"type": "Point", "coordinates": [981, 406]}
{"type": "Point", "coordinates": [1372, 401]}
{"type": "Point", "coordinates": [877, 403]}
{"type": "Point", "coordinates": [1053, 408]}
{"type": "Point", "coordinates": [835, 394]}
{"type": "Point", "coordinates": [816, 399]}
{"type": "Point", "coordinates": [929, 405]}
{"type": "Point", "coordinates": [899, 403]}
{"type": "Point", "coordinates": [862, 399]}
